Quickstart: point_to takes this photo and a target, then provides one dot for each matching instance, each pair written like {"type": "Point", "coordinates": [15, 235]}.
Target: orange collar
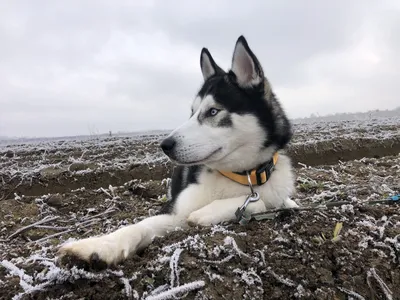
{"type": "Point", "coordinates": [258, 176]}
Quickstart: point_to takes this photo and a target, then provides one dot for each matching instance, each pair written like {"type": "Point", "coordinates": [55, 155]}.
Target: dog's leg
{"type": "Point", "coordinates": [223, 210]}
{"type": "Point", "coordinates": [115, 247]}
{"type": "Point", "coordinates": [289, 203]}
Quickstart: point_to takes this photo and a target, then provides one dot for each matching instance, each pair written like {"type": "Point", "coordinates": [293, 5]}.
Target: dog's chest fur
{"type": "Point", "coordinates": [205, 185]}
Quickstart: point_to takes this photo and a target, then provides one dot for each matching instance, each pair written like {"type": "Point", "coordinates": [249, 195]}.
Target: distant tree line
{"type": "Point", "coordinates": [350, 116]}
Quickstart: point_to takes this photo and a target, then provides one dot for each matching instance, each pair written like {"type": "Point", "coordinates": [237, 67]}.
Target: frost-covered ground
{"type": "Point", "coordinates": [376, 128]}
{"type": "Point", "coordinates": [53, 190]}
{"type": "Point", "coordinates": [85, 154]}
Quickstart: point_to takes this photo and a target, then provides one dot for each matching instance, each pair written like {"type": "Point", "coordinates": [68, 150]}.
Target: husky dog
{"type": "Point", "coordinates": [233, 140]}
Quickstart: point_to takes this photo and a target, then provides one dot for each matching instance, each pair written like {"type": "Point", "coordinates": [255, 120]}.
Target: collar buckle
{"type": "Point", "coordinates": [258, 176]}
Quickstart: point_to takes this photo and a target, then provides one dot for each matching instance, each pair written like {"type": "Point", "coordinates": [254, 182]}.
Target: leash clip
{"type": "Point", "coordinates": [241, 217]}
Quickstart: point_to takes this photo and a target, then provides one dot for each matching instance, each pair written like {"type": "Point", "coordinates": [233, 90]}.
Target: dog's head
{"type": "Point", "coordinates": [236, 122]}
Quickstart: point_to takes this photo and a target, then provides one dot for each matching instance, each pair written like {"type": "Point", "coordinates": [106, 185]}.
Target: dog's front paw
{"type": "Point", "coordinates": [204, 217]}
{"type": "Point", "coordinates": [95, 252]}
{"type": "Point", "coordinates": [289, 203]}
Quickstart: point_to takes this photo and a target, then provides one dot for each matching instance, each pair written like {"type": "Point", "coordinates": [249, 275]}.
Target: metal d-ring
{"type": "Point", "coordinates": [250, 184]}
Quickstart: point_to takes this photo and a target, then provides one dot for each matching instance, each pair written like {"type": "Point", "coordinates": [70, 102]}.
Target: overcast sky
{"type": "Point", "coordinates": [80, 67]}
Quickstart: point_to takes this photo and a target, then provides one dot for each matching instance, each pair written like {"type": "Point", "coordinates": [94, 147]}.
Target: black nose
{"type": "Point", "coordinates": [168, 145]}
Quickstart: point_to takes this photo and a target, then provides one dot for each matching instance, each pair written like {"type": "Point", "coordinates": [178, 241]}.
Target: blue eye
{"type": "Point", "coordinates": [213, 112]}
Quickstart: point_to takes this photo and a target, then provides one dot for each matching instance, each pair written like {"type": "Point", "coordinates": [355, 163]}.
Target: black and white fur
{"type": "Point", "coordinates": [236, 124]}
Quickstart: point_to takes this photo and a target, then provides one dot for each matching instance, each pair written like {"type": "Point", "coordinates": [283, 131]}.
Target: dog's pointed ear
{"type": "Point", "coordinates": [208, 65]}
{"type": "Point", "coordinates": [245, 65]}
